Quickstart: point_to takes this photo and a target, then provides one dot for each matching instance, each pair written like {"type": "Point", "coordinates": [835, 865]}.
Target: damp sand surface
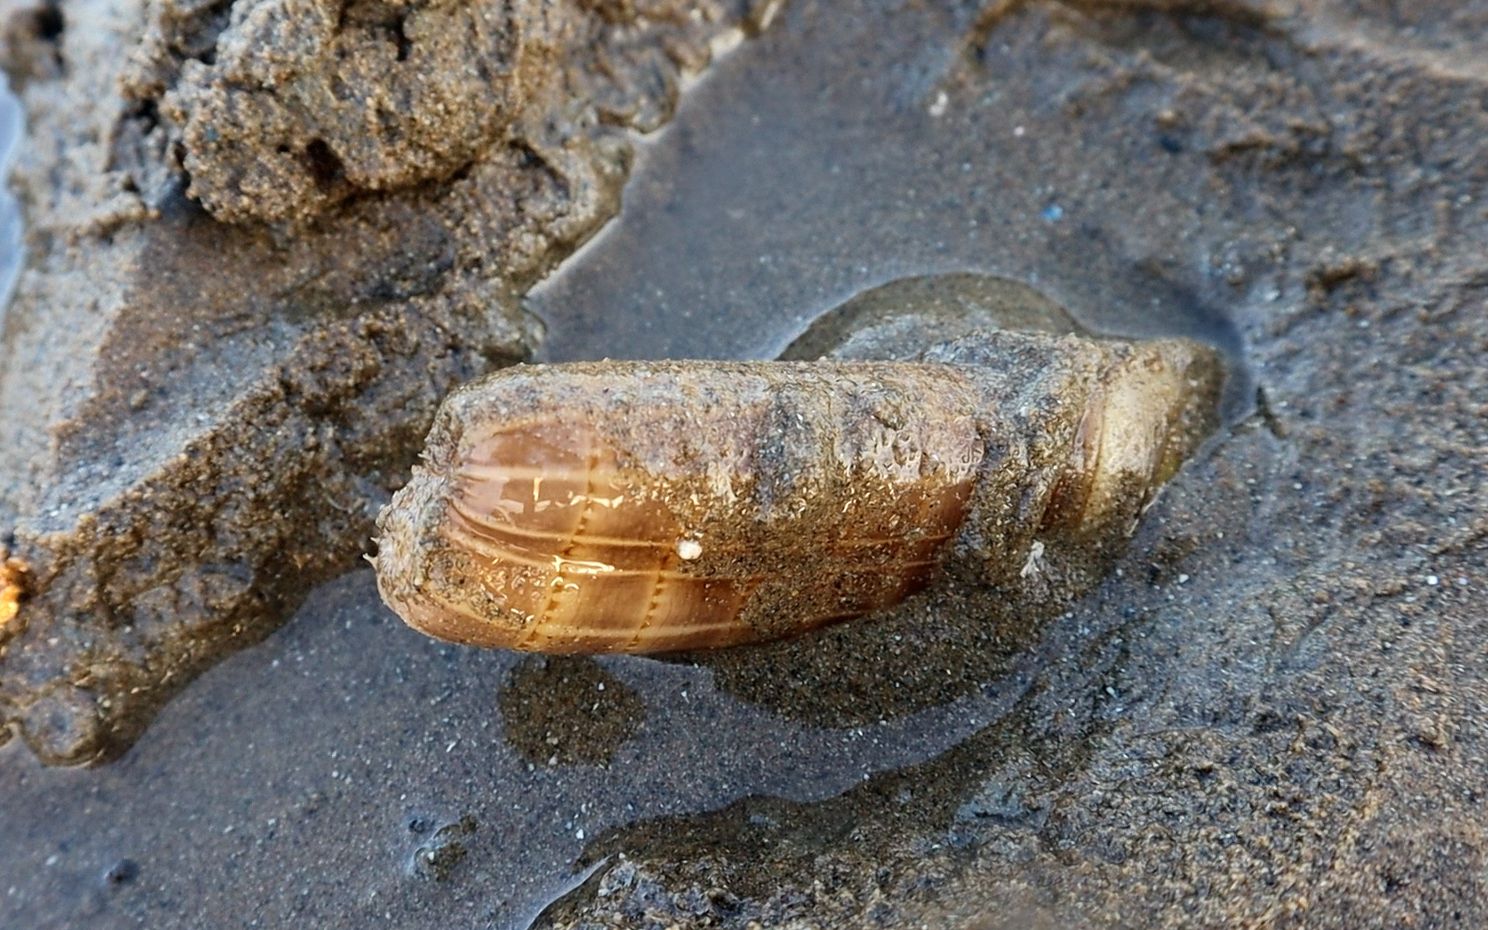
{"type": "Point", "coordinates": [1268, 715]}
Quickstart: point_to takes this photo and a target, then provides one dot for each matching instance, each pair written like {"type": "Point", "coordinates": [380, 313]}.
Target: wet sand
{"type": "Point", "coordinates": [1270, 713]}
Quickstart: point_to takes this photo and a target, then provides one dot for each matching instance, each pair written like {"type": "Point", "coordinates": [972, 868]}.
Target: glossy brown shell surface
{"type": "Point", "coordinates": [655, 506]}
{"type": "Point", "coordinates": [684, 507]}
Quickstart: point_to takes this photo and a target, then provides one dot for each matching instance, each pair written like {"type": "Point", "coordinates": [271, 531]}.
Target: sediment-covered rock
{"type": "Point", "coordinates": [264, 239]}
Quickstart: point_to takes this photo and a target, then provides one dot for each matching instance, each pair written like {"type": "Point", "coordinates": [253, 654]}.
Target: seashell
{"type": "Point", "coordinates": [657, 506]}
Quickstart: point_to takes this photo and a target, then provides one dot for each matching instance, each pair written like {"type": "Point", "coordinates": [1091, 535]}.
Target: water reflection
{"type": "Point", "coordinates": [901, 318]}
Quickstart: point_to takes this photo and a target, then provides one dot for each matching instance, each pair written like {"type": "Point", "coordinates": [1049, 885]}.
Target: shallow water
{"type": "Point", "coordinates": [349, 771]}
{"type": "Point", "coordinates": [301, 779]}
{"type": "Point", "coordinates": [834, 154]}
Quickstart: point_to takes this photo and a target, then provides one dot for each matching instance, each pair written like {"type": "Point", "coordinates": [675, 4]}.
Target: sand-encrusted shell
{"type": "Point", "coordinates": [652, 506]}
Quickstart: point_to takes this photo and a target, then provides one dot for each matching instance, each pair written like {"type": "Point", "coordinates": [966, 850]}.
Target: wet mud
{"type": "Point", "coordinates": [1268, 714]}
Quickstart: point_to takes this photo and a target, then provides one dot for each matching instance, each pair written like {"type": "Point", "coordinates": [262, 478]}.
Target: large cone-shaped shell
{"type": "Point", "coordinates": [640, 507]}
{"type": "Point", "coordinates": [644, 507]}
